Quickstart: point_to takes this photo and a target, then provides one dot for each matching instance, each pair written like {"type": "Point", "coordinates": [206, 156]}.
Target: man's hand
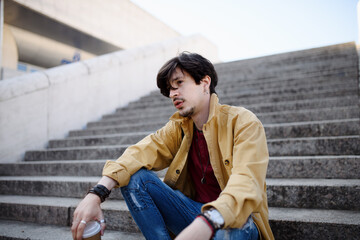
{"type": "Point", "coordinates": [88, 209]}
{"type": "Point", "coordinates": [197, 230]}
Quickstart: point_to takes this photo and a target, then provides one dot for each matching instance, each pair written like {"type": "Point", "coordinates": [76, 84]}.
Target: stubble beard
{"type": "Point", "coordinates": [187, 113]}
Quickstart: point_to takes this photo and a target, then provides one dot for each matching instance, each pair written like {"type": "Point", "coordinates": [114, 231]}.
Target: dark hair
{"type": "Point", "coordinates": [194, 64]}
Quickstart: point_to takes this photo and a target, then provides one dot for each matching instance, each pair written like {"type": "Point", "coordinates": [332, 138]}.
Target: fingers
{"type": "Point", "coordinates": [74, 225]}
{"type": "Point", "coordinates": [79, 223]}
{"type": "Point", "coordinates": [102, 221]}
{"type": "Point", "coordinates": [80, 230]}
{"type": "Point", "coordinates": [103, 226]}
{"type": "Point", "coordinates": [88, 209]}
{"type": "Point", "coordinates": [78, 227]}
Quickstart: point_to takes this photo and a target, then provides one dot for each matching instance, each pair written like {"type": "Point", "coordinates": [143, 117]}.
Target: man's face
{"type": "Point", "coordinates": [188, 97]}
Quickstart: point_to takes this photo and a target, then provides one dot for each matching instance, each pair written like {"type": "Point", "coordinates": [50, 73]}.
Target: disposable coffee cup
{"type": "Point", "coordinates": [92, 231]}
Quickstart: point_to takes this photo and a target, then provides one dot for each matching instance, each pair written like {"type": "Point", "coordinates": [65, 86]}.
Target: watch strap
{"type": "Point", "coordinates": [101, 191]}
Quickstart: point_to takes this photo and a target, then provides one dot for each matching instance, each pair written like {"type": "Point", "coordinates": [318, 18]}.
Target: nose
{"type": "Point", "coordinates": [173, 93]}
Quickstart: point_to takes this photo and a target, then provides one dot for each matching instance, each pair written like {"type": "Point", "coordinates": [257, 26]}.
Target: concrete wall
{"type": "Point", "coordinates": [9, 49]}
{"type": "Point", "coordinates": [40, 106]}
{"type": "Point", "coordinates": [119, 22]}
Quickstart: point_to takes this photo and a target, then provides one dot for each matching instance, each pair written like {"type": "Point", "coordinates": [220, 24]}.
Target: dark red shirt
{"type": "Point", "coordinates": [199, 167]}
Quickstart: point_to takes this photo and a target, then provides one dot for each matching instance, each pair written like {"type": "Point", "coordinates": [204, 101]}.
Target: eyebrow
{"type": "Point", "coordinates": [174, 79]}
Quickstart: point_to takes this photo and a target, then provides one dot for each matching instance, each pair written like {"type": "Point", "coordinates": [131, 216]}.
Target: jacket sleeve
{"type": "Point", "coordinates": [245, 189]}
{"type": "Point", "coordinates": [155, 151]}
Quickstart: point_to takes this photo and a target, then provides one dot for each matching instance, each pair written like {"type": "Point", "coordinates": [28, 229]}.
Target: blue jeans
{"type": "Point", "coordinates": [158, 209]}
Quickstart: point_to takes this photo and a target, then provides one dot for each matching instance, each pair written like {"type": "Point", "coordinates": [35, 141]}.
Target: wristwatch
{"type": "Point", "coordinates": [215, 217]}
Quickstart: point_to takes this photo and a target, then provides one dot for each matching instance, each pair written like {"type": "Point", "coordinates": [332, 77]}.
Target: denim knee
{"type": "Point", "coordinates": [132, 193]}
{"type": "Point", "coordinates": [138, 178]}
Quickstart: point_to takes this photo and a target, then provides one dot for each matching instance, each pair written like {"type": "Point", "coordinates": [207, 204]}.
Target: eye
{"type": "Point", "coordinates": [175, 84]}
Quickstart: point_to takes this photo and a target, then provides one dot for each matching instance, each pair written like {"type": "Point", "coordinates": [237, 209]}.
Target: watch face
{"type": "Point", "coordinates": [216, 217]}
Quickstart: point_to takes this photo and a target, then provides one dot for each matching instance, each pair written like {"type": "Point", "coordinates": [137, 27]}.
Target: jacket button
{"type": "Point", "coordinates": [227, 162]}
{"type": "Point", "coordinates": [178, 171]}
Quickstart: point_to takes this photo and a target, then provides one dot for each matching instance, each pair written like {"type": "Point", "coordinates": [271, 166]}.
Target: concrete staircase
{"type": "Point", "coordinates": [308, 102]}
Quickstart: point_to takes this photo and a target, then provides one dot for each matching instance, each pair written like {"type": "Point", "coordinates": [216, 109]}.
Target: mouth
{"type": "Point", "coordinates": [178, 103]}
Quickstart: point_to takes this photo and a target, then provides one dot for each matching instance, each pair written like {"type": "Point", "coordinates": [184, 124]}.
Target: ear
{"type": "Point", "coordinates": [206, 81]}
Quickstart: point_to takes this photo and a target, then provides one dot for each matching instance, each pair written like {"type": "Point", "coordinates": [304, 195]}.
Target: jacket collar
{"type": "Point", "coordinates": [214, 101]}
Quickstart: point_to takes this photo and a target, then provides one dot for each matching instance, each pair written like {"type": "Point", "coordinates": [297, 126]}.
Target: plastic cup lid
{"type": "Point", "coordinates": [91, 229]}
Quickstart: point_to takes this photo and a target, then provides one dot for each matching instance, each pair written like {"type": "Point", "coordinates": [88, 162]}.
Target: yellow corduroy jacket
{"type": "Point", "coordinates": [238, 155]}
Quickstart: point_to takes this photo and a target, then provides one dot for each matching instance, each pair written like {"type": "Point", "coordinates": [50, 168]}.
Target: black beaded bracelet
{"type": "Point", "coordinates": [101, 191]}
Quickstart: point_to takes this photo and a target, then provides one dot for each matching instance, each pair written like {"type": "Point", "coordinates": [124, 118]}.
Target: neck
{"type": "Point", "coordinates": [203, 115]}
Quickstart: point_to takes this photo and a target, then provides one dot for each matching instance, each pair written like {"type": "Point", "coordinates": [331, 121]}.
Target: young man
{"type": "Point", "coordinates": [217, 159]}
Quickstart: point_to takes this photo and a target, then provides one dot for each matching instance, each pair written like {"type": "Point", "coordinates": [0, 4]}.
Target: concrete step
{"type": "Point", "coordinates": [157, 115]}
{"type": "Point", "coordinates": [314, 167]}
{"type": "Point", "coordinates": [341, 145]}
{"type": "Point", "coordinates": [51, 186]}
{"type": "Point", "coordinates": [341, 194]}
{"type": "Point", "coordinates": [285, 90]}
{"type": "Point", "coordinates": [346, 74]}
{"type": "Point", "coordinates": [53, 168]}
{"type": "Point", "coordinates": [41, 210]}
{"type": "Point", "coordinates": [286, 223]}
{"type": "Point", "coordinates": [275, 98]}
{"type": "Point", "coordinates": [310, 115]}
{"type": "Point", "coordinates": [330, 167]}
{"type": "Point", "coordinates": [325, 128]}
{"type": "Point", "coordinates": [299, 224]}
{"type": "Point", "coordinates": [263, 105]}
{"type": "Point", "coordinates": [259, 74]}
{"type": "Point", "coordinates": [256, 73]}
{"type": "Point", "coordinates": [119, 129]}
{"type": "Point", "coordinates": [276, 130]}
{"type": "Point", "coordinates": [19, 230]}
{"type": "Point", "coordinates": [100, 140]}
{"type": "Point", "coordinates": [302, 193]}
{"type": "Point", "coordinates": [79, 153]}
{"type": "Point", "coordinates": [330, 102]}
{"type": "Point", "coordinates": [59, 211]}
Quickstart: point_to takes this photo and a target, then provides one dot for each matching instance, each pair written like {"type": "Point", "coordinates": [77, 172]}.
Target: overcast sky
{"type": "Point", "coordinates": [251, 28]}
